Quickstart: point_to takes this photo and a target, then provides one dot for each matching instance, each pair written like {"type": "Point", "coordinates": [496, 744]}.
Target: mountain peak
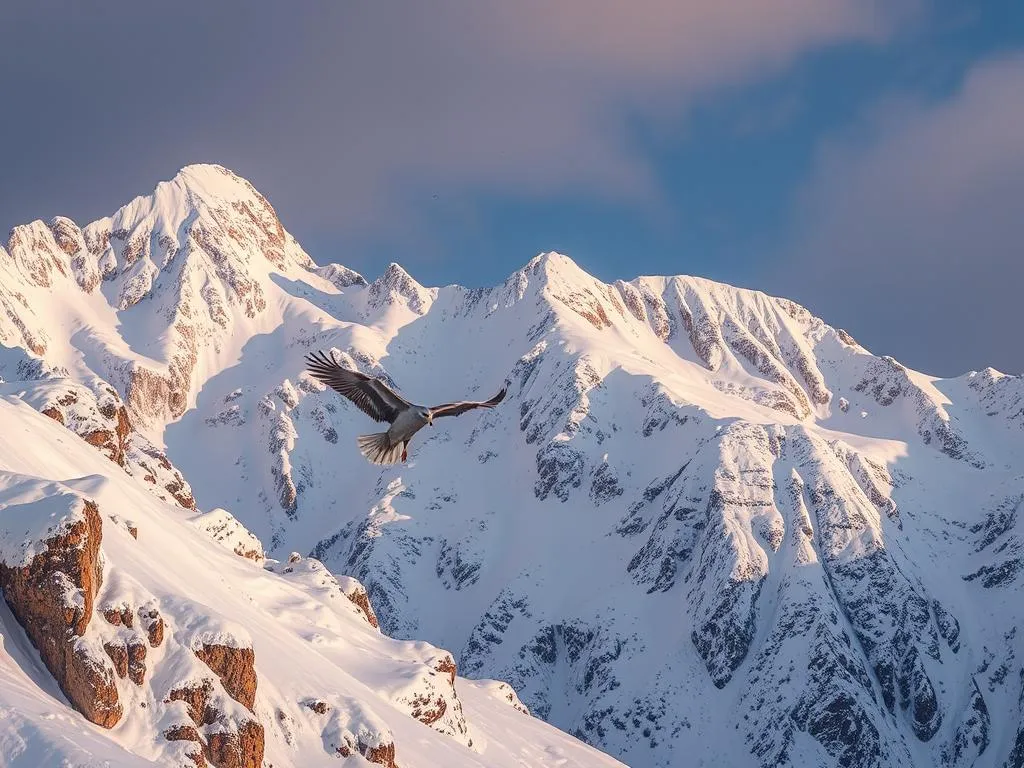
{"type": "Point", "coordinates": [396, 272]}
{"type": "Point", "coordinates": [211, 181]}
{"type": "Point", "coordinates": [555, 263]}
{"type": "Point", "coordinates": [395, 283]}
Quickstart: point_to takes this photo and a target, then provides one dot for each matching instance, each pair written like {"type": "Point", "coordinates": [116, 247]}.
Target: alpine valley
{"type": "Point", "coordinates": [704, 528]}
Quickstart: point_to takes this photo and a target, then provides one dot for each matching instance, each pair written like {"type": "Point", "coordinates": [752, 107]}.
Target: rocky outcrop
{"type": "Point", "coordinates": [354, 729]}
{"type": "Point", "coordinates": [98, 417]}
{"type": "Point", "coordinates": [97, 414]}
{"type": "Point", "coordinates": [431, 698]}
{"type": "Point", "coordinates": [221, 526]}
{"type": "Point", "coordinates": [340, 276]}
{"type": "Point", "coordinates": [383, 754]}
{"type": "Point", "coordinates": [240, 749]}
{"type": "Point", "coordinates": [154, 624]}
{"type": "Point", "coordinates": [231, 742]}
{"type": "Point", "coordinates": [52, 597]}
{"type": "Point", "coordinates": [235, 668]}
{"type": "Point", "coordinates": [889, 382]}
{"type": "Point", "coordinates": [152, 464]}
{"type": "Point", "coordinates": [315, 577]}
{"type": "Point", "coordinates": [36, 254]}
{"type": "Point", "coordinates": [359, 597]}
{"type": "Point", "coordinates": [129, 658]}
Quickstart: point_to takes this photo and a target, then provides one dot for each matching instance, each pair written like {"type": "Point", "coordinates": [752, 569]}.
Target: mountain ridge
{"type": "Point", "coordinates": [817, 543]}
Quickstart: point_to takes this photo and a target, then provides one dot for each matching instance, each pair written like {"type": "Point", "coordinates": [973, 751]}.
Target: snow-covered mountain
{"type": "Point", "coordinates": [704, 527]}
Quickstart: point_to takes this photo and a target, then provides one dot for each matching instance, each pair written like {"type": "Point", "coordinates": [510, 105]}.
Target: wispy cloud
{"type": "Point", "coordinates": [341, 109]}
{"type": "Point", "coordinates": [919, 213]}
{"type": "Point", "coordinates": [534, 97]}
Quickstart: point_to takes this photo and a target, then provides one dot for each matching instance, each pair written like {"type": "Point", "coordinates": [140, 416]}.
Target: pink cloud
{"type": "Point", "coordinates": [532, 97]}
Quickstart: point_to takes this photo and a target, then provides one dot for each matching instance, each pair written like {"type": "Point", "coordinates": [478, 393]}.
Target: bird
{"type": "Point", "coordinates": [378, 401]}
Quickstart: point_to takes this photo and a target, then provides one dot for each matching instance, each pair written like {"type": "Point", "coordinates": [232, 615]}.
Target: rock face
{"type": "Point", "coordinates": [52, 597]}
{"type": "Point", "coordinates": [97, 414]}
{"type": "Point", "coordinates": [235, 668]}
{"type": "Point", "coordinates": [229, 742]}
{"type": "Point", "coordinates": [360, 598]}
{"type": "Point", "coordinates": [359, 732]}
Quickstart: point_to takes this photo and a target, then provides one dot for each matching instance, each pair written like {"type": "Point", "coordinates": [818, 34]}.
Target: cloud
{"type": "Point", "coordinates": [533, 97]}
{"type": "Point", "coordinates": [911, 228]}
{"type": "Point", "coordinates": [339, 110]}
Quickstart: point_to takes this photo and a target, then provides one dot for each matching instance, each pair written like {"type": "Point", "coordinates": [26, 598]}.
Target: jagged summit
{"type": "Point", "coordinates": [397, 285]}
{"type": "Point", "coordinates": [213, 180]}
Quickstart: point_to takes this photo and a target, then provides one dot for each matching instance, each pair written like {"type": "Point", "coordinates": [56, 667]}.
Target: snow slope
{"type": "Point", "coordinates": [705, 526]}
{"type": "Point", "coordinates": [310, 643]}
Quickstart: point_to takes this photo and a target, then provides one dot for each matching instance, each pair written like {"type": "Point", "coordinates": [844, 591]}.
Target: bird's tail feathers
{"type": "Point", "coordinates": [378, 449]}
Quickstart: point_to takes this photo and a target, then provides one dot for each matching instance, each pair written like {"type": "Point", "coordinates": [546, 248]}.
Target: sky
{"type": "Point", "coordinates": [862, 157]}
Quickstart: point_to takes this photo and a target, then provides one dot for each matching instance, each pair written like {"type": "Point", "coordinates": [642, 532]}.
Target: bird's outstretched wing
{"type": "Point", "coordinates": [371, 396]}
{"type": "Point", "coordinates": [454, 409]}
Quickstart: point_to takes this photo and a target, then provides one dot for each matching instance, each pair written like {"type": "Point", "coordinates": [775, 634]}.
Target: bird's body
{"type": "Point", "coordinates": [378, 401]}
{"type": "Point", "coordinates": [408, 423]}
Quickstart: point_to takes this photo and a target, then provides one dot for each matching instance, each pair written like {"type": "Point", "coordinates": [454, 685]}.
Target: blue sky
{"type": "Point", "coordinates": [863, 158]}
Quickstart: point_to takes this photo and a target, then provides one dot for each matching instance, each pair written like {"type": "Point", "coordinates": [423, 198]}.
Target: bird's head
{"type": "Point", "coordinates": [429, 416]}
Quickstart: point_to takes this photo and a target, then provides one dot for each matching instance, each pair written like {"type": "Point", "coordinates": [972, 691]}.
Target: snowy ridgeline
{"type": "Point", "coordinates": [705, 527]}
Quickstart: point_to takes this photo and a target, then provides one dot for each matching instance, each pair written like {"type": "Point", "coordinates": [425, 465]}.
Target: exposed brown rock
{"type": "Point", "coordinates": [248, 553]}
{"type": "Point", "coordinates": [112, 439]}
{"type": "Point", "coordinates": [151, 395]}
{"type": "Point", "coordinates": [180, 493]}
{"type": "Point", "coordinates": [172, 480]}
{"type": "Point", "coordinates": [188, 733]}
{"type": "Point", "coordinates": [182, 733]}
{"type": "Point", "coordinates": [196, 698]}
{"type": "Point", "coordinates": [119, 616]}
{"type": "Point", "coordinates": [66, 234]}
{"type": "Point", "coordinates": [229, 747]}
{"type": "Point", "coordinates": [244, 749]}
{"type": "Point", "coordinates": [54, 414]}
{"type": "Point", "coordinates": [37, 595]}
{"type": "Point", "coordinates": [446, 665]}
{"type": "Point", "coordinates": [124, 426]}
{"type": "Point", "coordinates": [382, 755]}
{"type": "Point", "coordinates": [136, 662]}
{"type": "Point", "coordinates": [319, 706]}
{"type": "Point", "coordinates": [235, 668]}
{"type": "Point", "coordinates": [429, 710]}
{"type": "Point", "coordinates": [107, 442]}
{"type": "Point", "coordinates": [438, 699]}
{"type": "Point", "coordinates": [362, 601]}
{"type": "Point", "coordinates": [119, 655]}
{"type": "Point", "coordinates": [588, 306]}
{"type": "Point", "coordinates": [154, 625]}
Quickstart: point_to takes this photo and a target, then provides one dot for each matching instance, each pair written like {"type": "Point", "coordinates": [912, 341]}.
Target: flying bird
{"type": "Point", "coordinates": [374, 398]}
